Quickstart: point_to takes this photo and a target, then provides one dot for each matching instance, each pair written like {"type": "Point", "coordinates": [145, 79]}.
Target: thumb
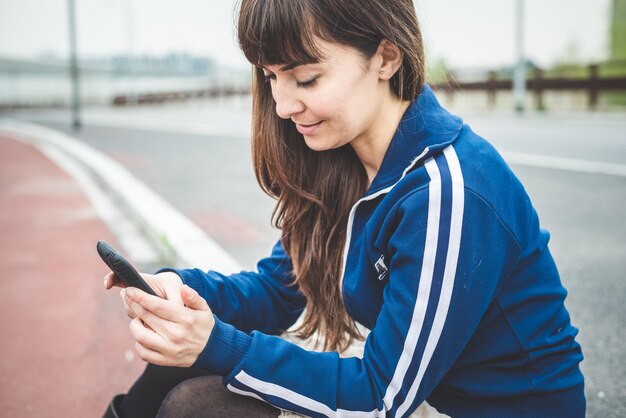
{"type": "Point", "coordinates": [193, 300]}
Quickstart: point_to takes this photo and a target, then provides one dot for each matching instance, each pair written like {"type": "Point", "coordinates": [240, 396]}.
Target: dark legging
{"type": "Point", "coordinates": [181, 392]}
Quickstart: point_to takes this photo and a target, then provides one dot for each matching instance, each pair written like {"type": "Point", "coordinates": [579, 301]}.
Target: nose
{"type": "Point", "coordinates": [287, 101]}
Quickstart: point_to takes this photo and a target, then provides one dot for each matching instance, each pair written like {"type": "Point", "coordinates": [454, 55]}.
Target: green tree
{"type": "Point", "coordinates": [438, 71]}
{"type": "Point", "coordinates": [618, 30]}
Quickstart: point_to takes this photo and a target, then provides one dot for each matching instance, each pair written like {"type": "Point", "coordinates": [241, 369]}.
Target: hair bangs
{"type": "Point", "coordinates": [273, 32]}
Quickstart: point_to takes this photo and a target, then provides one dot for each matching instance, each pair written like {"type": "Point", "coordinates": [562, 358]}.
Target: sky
{"type": "Point", "coordinates": [466, 33]}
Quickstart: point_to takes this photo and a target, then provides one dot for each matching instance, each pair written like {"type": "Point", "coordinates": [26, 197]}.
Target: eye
{"type": "Point", "coordinates": [306, 84]}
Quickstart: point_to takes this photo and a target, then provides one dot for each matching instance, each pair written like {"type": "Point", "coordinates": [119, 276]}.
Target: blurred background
{"type": "Point", "coordinates": [160, 88]}
{"type": "Point", "coordinates": [129, 48]}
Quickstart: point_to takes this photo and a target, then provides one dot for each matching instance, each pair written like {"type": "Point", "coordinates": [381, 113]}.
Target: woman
{"type": "Point", "coordinates": [394, 215]}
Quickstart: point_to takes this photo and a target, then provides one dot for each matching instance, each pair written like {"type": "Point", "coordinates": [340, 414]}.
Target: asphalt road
{"type": "Point", "coordinates": [198, 158]}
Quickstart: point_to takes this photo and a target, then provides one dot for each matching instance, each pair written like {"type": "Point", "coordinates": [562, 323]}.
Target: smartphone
{"type": "Point", "coordinates": [122, 268]}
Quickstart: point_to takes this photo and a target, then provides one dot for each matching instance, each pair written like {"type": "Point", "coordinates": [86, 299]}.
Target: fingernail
{"type": "Point", "coordinates": [105, 283]}
{"type": "Point", "coordinates": [130, 292]}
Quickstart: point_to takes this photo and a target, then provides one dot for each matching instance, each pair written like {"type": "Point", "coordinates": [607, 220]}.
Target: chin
{"type": "Point", "coordinates": [317, 144]}
{"type": "Point", "coordinates": [324, 143]}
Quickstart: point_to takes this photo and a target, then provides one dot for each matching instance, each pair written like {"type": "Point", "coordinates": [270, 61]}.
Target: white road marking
{"type": "Point", "coordinates": [152, 123]}
{"type": "Point", "coordinates": [566, 164]}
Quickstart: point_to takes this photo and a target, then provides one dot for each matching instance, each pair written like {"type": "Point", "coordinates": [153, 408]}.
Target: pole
{"type": "Point", "coordinates": [132, 96]}
{"type": "Point", "coordinates": [74, 74]}
{"type": "Point", "coordinates": [519, 79]}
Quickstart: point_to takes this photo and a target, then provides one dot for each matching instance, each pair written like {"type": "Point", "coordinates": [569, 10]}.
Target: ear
{"type": "Point", "coordinates": [390, 58]}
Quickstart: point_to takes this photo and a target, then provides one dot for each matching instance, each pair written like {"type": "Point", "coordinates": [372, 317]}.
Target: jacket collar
{"type": "Point", "coordinates": [425, 124]}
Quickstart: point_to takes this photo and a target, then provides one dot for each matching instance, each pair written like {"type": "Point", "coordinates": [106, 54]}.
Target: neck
{"type": "Point", "coordinates": [371, 147]}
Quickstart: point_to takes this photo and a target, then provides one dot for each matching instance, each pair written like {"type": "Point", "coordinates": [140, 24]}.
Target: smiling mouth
{"type": "Point", "coordinates": [307, 129]}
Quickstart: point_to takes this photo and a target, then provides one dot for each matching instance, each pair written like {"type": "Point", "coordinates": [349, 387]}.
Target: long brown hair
{"type": "Point", "coordinates": [315, 191]}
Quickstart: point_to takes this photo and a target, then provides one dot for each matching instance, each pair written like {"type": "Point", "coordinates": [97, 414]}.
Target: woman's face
{"type": "Point", "coordinates": [333, 102]}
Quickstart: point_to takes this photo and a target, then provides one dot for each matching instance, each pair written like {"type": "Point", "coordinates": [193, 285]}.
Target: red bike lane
{"type": "Point", "coordinates": [66, 349]}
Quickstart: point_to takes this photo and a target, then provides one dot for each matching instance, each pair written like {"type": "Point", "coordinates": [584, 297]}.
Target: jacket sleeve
{"type": "Point", "coordinates": [265, 300]}
{"type": "Point", "coordinates": [447, 250]}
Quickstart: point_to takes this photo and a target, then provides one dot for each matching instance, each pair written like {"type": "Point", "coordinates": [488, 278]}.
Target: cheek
{"type": "Point", "coordinates": [327, 103]}
{"type": "Point", "coordinates": [352, 99]}
{"type": "Point", "coordinates": [338, 105]}
{"type": "Point", "coordinates": [351, 116]}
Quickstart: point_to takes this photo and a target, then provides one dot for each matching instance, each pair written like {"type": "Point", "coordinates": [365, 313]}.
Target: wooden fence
{"type": "Point", "coordinates": [155, 98]}
{"type": "Point", "coordinates": [538, 85]}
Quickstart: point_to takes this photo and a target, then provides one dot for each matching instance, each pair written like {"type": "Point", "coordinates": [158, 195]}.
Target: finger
{"type": "Point", "coordinates": [145, 336]}
{"type": "Point", "coordinates": [159, 321]}
{"type": "Point", "coordinates": [151, 356]}
{"type": "Point", "coordinates": [149, 319]}
{"type": "Point", "coordinates": [129, 312]}
{"type": "Point", "coordinates": [160, 308]}
{"type": "Point", "coordinates": [175, 296]}
{"type": "Point", "coordinates": [192, 299]}
{"type": "Point", "coordinates": [155, 285]}
{"type": "Point", "coordinates": [111, 280]}
{"type": "Point", "coordinates": [170, 283]}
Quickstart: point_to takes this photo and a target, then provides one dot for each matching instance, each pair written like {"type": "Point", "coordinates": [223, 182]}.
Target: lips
{"type": "Point", "coordinates": [305, 129]}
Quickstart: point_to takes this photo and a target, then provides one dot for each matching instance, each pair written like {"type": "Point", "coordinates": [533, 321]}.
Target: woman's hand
{"type": "Point", "coordinates": [168, 333]}
{"type": "Point", "coordinates": [167, 285]}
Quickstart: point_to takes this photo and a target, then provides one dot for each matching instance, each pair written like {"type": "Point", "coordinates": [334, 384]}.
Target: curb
{"type": "Point", "coordinates": [130, 208]}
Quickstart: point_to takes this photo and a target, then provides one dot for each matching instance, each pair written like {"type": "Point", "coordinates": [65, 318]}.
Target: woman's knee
{"type": "Point", "coordinates": [206, 396]}
{"type": "Point", "coordinates": [190, 397]}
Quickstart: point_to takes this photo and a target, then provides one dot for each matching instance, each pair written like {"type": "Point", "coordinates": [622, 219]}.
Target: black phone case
{"type": "Point", "coordinates": [122, 268]}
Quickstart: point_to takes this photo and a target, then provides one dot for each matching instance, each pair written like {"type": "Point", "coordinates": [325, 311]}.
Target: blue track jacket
{"type": "Point", "coordinates": [447, 265]}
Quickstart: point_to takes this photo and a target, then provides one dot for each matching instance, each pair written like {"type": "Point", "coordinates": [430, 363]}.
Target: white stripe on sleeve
{"type": "Point", "coordinates": [425, 281]}
{"type": "Point", "coordinates": [456, 226]}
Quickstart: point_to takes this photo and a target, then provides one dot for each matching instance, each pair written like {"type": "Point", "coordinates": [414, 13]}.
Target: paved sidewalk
{"type": "Point", "coordinates": [66, 349]}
